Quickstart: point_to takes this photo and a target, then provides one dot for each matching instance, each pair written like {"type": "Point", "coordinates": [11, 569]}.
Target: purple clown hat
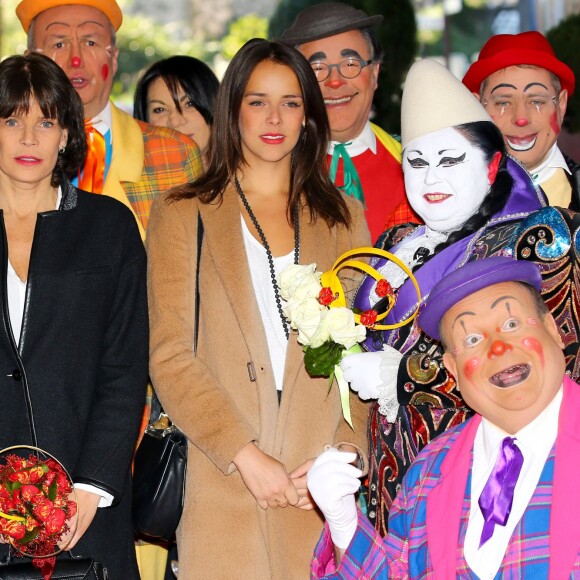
{"type": "Point", "coordinates": [469, 279]}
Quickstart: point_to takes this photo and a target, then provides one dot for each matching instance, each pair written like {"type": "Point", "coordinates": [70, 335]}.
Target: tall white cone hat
{"type": "Point", "coordinates": [434, 99]}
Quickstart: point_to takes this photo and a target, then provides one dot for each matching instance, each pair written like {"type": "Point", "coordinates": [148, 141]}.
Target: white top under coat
{"type": "Point", "coordinates": [264, 291]}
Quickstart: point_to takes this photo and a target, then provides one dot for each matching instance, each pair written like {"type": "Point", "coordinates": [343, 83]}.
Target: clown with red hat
{"type": "Point", "coordinates": [525, 88]}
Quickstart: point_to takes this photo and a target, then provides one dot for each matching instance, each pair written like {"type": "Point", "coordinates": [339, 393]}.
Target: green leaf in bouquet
{"type": "Point", "coordinates": [30, 535]}
{"type": "Point", "coordinates": [320, 361]}
{"type": "Point", "coordinates": [52, 489]}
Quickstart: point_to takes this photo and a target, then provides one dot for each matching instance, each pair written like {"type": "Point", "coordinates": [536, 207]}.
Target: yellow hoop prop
{"type": "Point", "coordinates": [331, 280]}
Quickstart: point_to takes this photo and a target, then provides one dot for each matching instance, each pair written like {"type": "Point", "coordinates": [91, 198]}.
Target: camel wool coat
{"type": "Point", "coordinates": [221, 405]}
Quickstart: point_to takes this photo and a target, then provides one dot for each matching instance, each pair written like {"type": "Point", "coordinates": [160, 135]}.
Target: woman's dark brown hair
{"type": "Point", "coordinates": [33, 76]}
{"type": "Point", "coordinates": [309, 174]}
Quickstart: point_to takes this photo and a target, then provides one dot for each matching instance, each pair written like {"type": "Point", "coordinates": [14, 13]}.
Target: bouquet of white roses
{"type": "Point", "coordinates": [327, 329]}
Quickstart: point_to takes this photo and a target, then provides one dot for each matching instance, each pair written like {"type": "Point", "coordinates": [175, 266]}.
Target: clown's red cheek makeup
{"type": "Point", "coordinates": [471, 366]}
{"type": "Point", "coordinates": [532, 322]}
{"type": "Point", "coordinates": [554, 123]}
{"type": "Point", "coordinates": [105, 72]}
{"type": "Point", "coordinates": [531, 343]}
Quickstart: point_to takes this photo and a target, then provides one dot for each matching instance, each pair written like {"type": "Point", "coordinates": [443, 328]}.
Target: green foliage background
{"type": "Point", "coordinates": [142, 41]}
{"type": "Point", "coordinates": [565, 40]}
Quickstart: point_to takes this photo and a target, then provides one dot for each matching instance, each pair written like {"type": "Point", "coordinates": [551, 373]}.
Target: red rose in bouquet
{"type": "Point", "coordinates": [35, 507]}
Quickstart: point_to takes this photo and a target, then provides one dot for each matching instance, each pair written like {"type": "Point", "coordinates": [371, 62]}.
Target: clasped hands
{"type": "Point", "coordinates": [330, 482]}
{"type": "Point", "coordinates": [269, 482]}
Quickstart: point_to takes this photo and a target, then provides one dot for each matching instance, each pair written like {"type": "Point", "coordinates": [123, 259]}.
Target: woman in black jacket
{"type": "Point", "coordinates": [73, 318]}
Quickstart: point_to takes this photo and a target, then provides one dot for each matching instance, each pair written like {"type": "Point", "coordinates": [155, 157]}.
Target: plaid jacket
{"type": "Point", "coordinates": [147, 160]}
{"type": "Point", "coordinates": [431, 510]}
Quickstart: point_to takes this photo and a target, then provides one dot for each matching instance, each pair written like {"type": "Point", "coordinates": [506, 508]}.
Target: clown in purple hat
{"type": "Point", "coordinates": [494, 497]}
{"type": "Point", "coordinates": [525, 89]}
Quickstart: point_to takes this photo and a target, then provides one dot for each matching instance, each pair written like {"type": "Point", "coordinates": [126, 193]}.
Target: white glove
{"type": "Point", "coordinates": [373, 375]}
{"type": "Point", "coordinates": [332, 482]}
{"type": "Point", "coordinates": [362, 371]}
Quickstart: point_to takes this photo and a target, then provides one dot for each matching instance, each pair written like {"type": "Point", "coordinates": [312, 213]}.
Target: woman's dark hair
{"type": "Point", "coordinates": [487, 137]}
{"type": "Point", "coordinates": [309, 168]}
{"type": "Point", "coordinates": [196, 79]}
{"type": "Point", "coordinates": [34, 76]}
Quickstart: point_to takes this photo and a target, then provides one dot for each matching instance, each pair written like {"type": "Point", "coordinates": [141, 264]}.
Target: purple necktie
{"type": "Point", "coordinates": [497, 496]}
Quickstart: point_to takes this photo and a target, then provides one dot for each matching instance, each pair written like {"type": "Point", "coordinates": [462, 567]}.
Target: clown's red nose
{"type": "Point", "coordinates": [498, 348]}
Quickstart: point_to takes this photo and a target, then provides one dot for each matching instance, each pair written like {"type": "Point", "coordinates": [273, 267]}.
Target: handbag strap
{"type": "Point", "coordinates": [156, 408]}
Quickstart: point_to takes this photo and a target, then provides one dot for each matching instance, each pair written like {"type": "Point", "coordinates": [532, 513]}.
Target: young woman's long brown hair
{"type": "Point", "coordinates": [309, 175]}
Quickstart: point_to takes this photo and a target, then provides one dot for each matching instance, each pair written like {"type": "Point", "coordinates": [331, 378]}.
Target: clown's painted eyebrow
{"type": "Point", "coordinates": [465, 313]}
{"type": "Point", "coordinates": [81, 24]}
{"type": "Point", "coordinates": [317, 56]}
{"type": "Point", "coordinates": [535, 85]}
{"type": "Point", "coordinates": [350, 53]}
{"type": "Point", "coordinates": [503, 86]}
{"type": "Point", "coordinates": [455, 160]}
{"type": "Point", "coordinates": [501, 298]}
{"type": "Point", "coordinates": [346, 53]}
{"type": "Point", "coordinates": [526, 88]}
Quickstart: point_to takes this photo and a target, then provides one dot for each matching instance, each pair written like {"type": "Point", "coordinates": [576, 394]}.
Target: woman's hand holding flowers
{"type": "Point", "coordinates": [87, 504]}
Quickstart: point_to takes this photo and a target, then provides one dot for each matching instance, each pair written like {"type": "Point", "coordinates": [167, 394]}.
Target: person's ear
{"type": "Point", "coordinates": [114, 60]}
{"type": "Point", "coordinates": [493, 167]}
{"type": "Point", "coordinates": [562, 103]}
{"type": "Point", "coordinates": [552, 329]}
{"type": "Point", "coordinates": [375, 77]}
{"type": "Point", "coordinates": [64, 139]}
{"type": "Point", "coordinates": [451, 366]}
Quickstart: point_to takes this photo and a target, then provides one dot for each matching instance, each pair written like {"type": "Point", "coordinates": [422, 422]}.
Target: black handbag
{"type": "Point", "coordinates": [160, 463]}
{"type": "Point", "coordinates": [159, 480]}
{"type": "Point", "coordinates": [75, 568]}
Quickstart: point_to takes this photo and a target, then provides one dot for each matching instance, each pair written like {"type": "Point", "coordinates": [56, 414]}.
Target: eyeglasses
{"type": "Point", "coordinates": [348, 69]}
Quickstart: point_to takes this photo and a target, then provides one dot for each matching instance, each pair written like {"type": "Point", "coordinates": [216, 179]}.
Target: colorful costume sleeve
{"type": "Point", "coordinates": [366, 556]}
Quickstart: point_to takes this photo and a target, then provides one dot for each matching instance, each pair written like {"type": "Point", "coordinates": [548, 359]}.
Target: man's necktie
{"type": "Point", "coordinates": [497, 496]}
{"type": "Point", "coordinates": [92, 176]}
{"type": "Point", "coordinates": [352, 185]}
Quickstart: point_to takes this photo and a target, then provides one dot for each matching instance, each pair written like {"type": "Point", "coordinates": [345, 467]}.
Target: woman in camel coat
{"type": "Point", "coordinates": [247, 513]}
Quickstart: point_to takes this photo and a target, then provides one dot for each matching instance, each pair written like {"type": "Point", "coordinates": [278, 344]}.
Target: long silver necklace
{"type": "Point", "coordinates": [269, 253]}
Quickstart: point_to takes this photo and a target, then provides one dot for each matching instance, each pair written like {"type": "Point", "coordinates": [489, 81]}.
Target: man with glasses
{"type": "Point", "coordinates": [525, 89]}
{"type": "Point", "coordinates": [365, 161]}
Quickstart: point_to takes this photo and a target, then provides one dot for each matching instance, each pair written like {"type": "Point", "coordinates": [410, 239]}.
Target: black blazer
{"type": "Point", "coordinates": [75, 384]}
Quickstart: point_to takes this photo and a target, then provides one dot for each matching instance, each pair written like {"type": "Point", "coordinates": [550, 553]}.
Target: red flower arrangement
{"type": "Point", "coordinates": [35, 507]}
